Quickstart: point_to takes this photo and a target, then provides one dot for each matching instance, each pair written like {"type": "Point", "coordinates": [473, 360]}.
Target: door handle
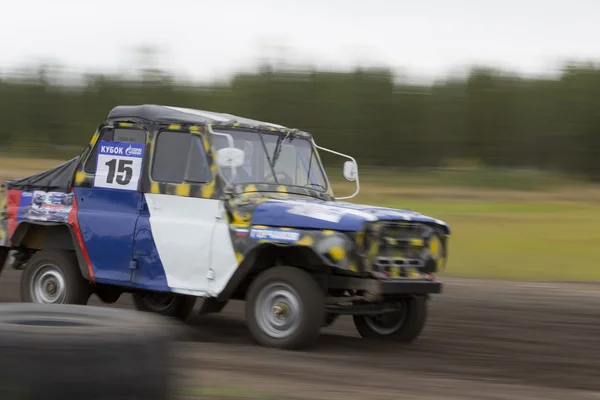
{"type": "Point", "coordinates": [220, 211]}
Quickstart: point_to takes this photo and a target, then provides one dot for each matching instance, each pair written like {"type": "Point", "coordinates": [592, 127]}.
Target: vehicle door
{"type": "Point", "coordinates": [108, 205]}
{"type": "Point", "coordinates": [180, 217]}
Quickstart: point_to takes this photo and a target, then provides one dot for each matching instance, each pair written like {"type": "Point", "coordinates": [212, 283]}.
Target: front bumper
{"type": "Point", "coordinates": [386, 287]}
{"type": "Point", "coordinates": [392, 287]}
{"type": "Point", "coordinates": [377, 296]}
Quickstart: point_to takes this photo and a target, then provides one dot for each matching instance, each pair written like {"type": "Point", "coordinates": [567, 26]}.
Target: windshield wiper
{"type": "Point", "coordinates": [271, 164]}
{"type": "Point", "coordinates": [278, 146]}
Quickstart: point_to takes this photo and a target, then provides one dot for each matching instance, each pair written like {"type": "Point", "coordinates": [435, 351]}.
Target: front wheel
{"type": "Point", "coordinates": [404, 325]}
{"type": "Point", "coordinates": [285, 308]}
{"type": "Point", "coordinates": [165, 304]}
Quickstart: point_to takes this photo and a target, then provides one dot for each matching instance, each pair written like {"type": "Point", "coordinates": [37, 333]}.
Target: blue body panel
{"type": "Point", "coordinates": [340, 216]}
{"type": "Point", "coordinates": [107, 219]}
{"type": "Point", "coordinates": [115, 234]}
{"type": "Point", "coordinates": [149, 272]}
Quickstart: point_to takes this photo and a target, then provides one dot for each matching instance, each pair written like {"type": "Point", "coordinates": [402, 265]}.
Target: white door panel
{"type": "Point", "coordinates": [223, 260]}
{"type": "Point", "coordinates": [182, 228]}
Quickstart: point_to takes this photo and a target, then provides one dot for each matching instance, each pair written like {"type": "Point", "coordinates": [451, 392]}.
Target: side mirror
{"type": "Point", "coordinates": [350, 170]}
{"type": "Point", "coordinates": [230, 157]}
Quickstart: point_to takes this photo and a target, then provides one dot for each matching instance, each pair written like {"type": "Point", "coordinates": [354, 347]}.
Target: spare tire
{"type": "Point", "coordinates": [52, 351]}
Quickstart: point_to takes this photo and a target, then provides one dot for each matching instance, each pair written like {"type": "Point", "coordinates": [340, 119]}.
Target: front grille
{"type": "Point", "coordinates": [397, 249]}
{"type": "Point", "coordinates": [383, 263]}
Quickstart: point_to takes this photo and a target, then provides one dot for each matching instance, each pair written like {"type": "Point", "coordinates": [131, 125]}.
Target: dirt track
{"type": "Point", "coordinates": [484, 340]}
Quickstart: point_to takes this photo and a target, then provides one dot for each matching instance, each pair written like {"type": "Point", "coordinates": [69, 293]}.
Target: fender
{"type": "Point", "coordinates": [56, 235]}
{"type": "Point", "coordinates": [266, 255]}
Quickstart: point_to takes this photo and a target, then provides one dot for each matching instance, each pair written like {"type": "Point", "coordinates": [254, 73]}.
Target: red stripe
{"type": "Point", "coordinates": [13, 201]}
{"type": "Point", "coordinates": [74, 222]}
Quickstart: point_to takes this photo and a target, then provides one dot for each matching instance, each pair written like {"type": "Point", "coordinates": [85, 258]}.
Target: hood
{"type": "Point", "coordinates": [331, 215]}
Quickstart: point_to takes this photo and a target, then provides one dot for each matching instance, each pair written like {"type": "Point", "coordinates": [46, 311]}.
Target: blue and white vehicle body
{"type": "Point", "coordinates": [174, 204]}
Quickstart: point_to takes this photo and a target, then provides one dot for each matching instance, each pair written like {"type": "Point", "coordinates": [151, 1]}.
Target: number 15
{"type": "Point", "coordinates": [123, 168]}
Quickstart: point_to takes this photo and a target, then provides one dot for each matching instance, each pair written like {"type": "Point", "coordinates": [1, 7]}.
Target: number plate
{"type": "Point", "coordinates": [119, 165]}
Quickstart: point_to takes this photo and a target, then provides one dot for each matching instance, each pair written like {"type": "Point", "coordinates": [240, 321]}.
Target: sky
{"type": "Point", "coordinates": [208, 40]}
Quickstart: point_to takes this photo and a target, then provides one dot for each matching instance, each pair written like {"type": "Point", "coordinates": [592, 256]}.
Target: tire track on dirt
{"type": "Point", "coordinates": [483, 340]}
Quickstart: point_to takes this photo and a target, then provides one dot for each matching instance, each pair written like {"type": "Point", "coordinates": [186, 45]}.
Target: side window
{"type": "Point", "coordinates": [198, 169]}
{"type": "Point", "coordinates": [129, 136]}
{"type": "Point", "coordinates": [180, 157]}
{"type": "Point", "coordinates": [113, 135]}
{"type": "Point", "coordinates": [90, 165]}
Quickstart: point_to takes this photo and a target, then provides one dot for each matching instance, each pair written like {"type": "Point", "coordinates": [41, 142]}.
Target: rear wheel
{"type": "Point", "coordinates": [166, 304]}
{"type": "Point", "coordinates": [53, 277]}
{"type": "Point", "coordinates": [285, 308]}
{"type": "Point", "coordinates": [402, 326]}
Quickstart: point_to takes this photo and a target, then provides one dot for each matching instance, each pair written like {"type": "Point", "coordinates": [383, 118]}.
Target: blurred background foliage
{"type": "Point", "coordinates": [442, 148]}
{"type": "Point", "coordinates": [491, 120]}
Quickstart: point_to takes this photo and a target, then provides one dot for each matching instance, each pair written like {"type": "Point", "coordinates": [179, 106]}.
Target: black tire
{"type": "Point", "coordinates": [307, 293]}
{"type": "Point", "coordinates": [330, 319]}
{"type": "Point", "coordinates": [165, 304]}
{"type": "Point", "coordinates": [48, 266]}
{"type": "Point", "coordinates": [108, 294]}
{"type": "Point", "coordinates": [405, 329]}
{"type": "Point", "coordinates": [4, 256]}
{"type": "Point", "coordinates": [51, 352]}
{"type": "Point", "coordinates": [211, 306]}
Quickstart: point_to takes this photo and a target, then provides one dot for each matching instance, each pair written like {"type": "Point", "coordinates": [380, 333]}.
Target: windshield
{"type": "Point", "coordinates": [294, 164]}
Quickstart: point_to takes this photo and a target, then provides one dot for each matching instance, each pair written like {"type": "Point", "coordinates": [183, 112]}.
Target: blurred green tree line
{"type": "Point", "coordinates": [491, 118]}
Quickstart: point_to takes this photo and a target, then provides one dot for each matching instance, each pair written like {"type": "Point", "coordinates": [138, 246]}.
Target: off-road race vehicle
{"type": "Point", "coordinates": [172, 205]}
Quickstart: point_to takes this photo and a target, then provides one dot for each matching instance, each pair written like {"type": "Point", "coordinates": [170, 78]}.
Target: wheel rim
{"type": "Point", "coordinates": [158, 302]}
{"type": "Point", "coordinates": [278, 310]}
{"type": "Point", "coordinates": [387, 324]}
{"type": "Point", "coordinates": [48, 285]}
